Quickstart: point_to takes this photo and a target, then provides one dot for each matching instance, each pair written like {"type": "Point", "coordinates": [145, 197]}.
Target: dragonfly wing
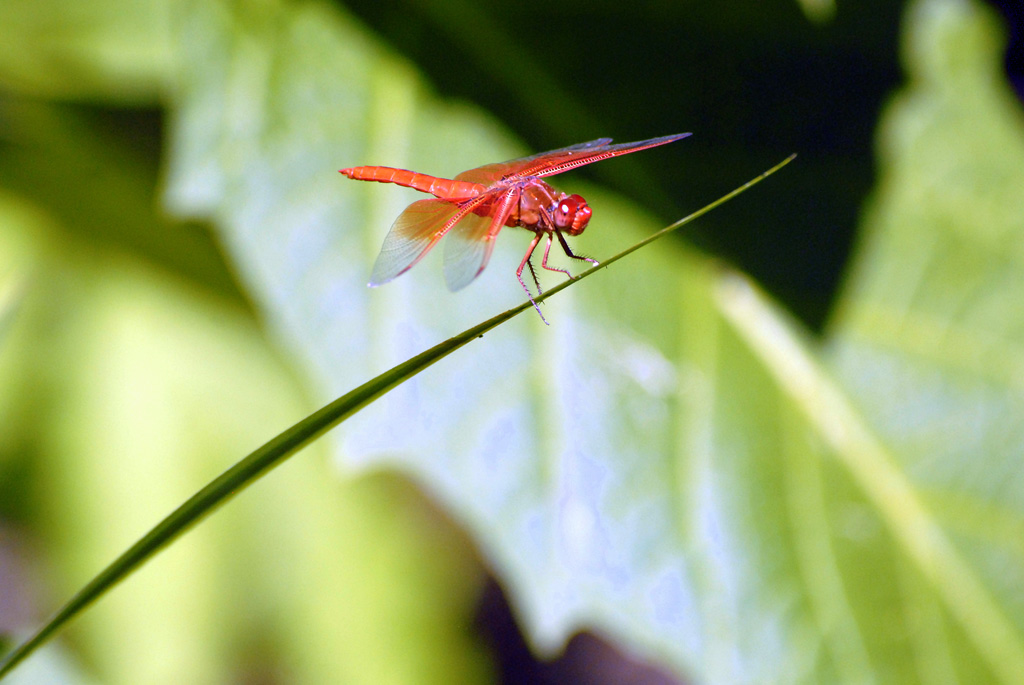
{"type": "Point", "coordinates": [414, 232]}
{"type": "Point", "coordinates": [564, 159]}
{"type": "Point", "coordinates": [491, 173]}
{"type": "Point", "coordinates": [548, 166]}
{"type": "Point", "coordinates": [469, 247]}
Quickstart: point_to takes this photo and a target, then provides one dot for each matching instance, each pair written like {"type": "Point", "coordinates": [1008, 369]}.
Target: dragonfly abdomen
{"type": "Point", "coordinates": [443, 188]}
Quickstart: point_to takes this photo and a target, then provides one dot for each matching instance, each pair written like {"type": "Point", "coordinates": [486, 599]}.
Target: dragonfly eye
{"type": "Point", "coordinates": [572, 214]}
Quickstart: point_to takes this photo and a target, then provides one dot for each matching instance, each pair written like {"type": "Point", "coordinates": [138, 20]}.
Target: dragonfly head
{"type": "Point", "coordinates": [572, 214]}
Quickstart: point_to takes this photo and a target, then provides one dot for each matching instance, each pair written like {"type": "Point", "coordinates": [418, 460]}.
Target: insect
{"type": "Point", "coordinates": [475, 205]}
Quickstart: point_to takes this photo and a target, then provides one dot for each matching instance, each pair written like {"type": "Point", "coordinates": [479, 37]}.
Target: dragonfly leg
{"type": "Point", "coordinates": [533, 273]}
{"type": "Point", "coordinates": [544, 261]}
{"type": "Point", "coordinates": [519, 275]}
{"type": "Point", "coordinates": [569, 252]}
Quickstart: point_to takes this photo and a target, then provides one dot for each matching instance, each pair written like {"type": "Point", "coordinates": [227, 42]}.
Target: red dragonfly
{"type": "Point", "coordinates": [477, 204]}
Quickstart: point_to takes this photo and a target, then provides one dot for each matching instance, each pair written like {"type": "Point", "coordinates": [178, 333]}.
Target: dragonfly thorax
{"type": "Point", "coordinates": [540, 207]}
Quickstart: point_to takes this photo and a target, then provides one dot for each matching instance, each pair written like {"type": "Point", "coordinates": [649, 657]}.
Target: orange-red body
{"type": "Point", "coordinates": [444, 188]}
{"type": "Point", "coordinates": [475, 205]}
{"type": "Point", "coordinates": [535, 204]}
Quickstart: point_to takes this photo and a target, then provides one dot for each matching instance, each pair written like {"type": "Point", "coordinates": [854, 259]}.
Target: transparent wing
{"type": "Point", "coordinates": [468, 249]}
{"type": "Point", "coordinates": [577, 158]}
{"type": "Point", "coordinates": [493, 172]}
{"type": "Point", "coordinates": [558, 161]}
{"type": "Point", "coordinates": [415, 231]}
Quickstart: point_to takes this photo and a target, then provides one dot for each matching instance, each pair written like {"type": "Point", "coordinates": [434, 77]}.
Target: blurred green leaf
{"type": "Point", "coordinates": [928, 338]}
{"type": "Point", "coordinates": [123, 383]}
{"type": "Point", "coordinates": [20, 248]}
{"type": "Point", "coordinates": [9, 295]}
{"type": "Point", "coordinates": [100, 190]}
{"type": "Point", "coordinates": [669, 462]}
{"type": "Point", "coordinates": [818, 10]}
{"type": "Point", "coordinates": [147, 369]}
{"type": "Point", "coordinates": [91, 49]}
{"type": "Point", "coordinates": [15, 262]}
{"type": "Point", "coordinates": [51, 667]}
{"type": "Point", "coordinates": [284, 445]}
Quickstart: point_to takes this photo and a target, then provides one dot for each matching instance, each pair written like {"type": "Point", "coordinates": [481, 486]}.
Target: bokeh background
{"type": "Point", "coordinates": [814, 479]}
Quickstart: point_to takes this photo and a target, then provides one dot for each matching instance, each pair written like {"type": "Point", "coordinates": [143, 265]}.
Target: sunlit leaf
{"type": "Point", "coordinates": [655, 464]}
{"type": "Point", "coordinates": [929, 337]}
